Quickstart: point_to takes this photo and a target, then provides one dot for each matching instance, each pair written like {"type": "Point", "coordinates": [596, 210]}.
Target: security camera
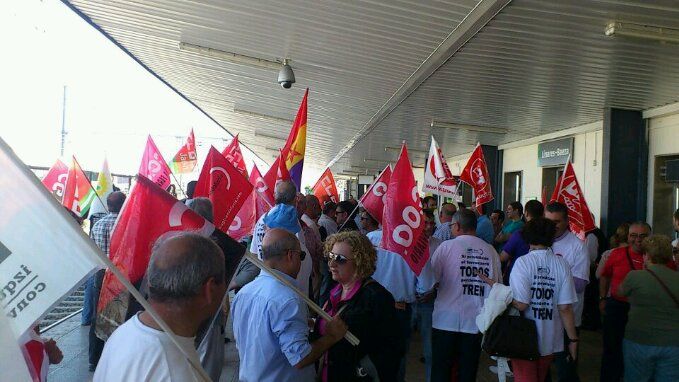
{"type": "Point", "coordinates": [286, 77]}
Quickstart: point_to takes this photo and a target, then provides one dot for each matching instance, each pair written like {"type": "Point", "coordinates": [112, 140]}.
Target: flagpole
{"type": "Point", "coordinates": [91, 187]}
{"type": "Point", "coordinates": [564, 173]}
{"type": "Point", "coordinates": [352, 212]}
{"type": "Point", "coordinates": [253, 259]}
{"type": "Point", "coordinates": [178, 184]}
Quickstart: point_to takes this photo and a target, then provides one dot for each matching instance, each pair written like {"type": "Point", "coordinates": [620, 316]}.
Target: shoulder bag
{"type": "Point", "coordinates": [512, 337]}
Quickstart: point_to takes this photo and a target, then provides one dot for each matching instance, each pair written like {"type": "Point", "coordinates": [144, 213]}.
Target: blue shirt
{"type": "Point", "coordinates": [271, 331]}
{"type": "Point", "coordinates": [515, 247]}
{"type": "Point", "coordinates": [443, 232]}
{"type": "Point", "coordinates": [484, 229]}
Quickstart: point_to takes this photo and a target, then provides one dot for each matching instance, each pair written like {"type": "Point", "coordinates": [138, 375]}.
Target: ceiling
{"type": "Point", "coordinates": [380, 70]}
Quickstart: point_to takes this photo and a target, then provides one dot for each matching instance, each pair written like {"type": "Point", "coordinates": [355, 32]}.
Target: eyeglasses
{"type": "Point", "coordinates": [364, 218]}
{"type": "Point", "coordinates": [338, 258]}
{"type": "Point", "coordinates": [302, 254]}
{"type": "Point", "coordinates": [638, 235]}
{"type": "Point", "coordinates": [341, 212]}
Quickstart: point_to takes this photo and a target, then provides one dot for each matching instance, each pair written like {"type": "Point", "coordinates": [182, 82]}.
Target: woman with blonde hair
{"type": "Point", "coordinates": [619, 239]}
{"type": "Point", "coordinates": [366, 307]}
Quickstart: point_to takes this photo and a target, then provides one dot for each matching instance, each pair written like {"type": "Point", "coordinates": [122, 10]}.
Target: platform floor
{"type": "Point", "coordinates": [72, 339]}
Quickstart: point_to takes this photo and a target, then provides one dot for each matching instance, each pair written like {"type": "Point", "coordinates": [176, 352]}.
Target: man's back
{"type": "Point", "coordinates": [461, 292]}
{"type": "Point", "coordinates": [270, 327]}
{"type": "Point", "coordinates": [136, 352]}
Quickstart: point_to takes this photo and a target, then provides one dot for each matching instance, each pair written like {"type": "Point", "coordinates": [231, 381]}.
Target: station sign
{"type": "Point", "coordinates": [555, 153]}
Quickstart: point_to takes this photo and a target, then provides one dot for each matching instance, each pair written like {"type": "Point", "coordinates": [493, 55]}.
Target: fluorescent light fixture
{"type": "Point", "coordinates": [483, 129]}
{"type": "Point", "coordinates": [232, 57]}
{"type": "Point", "coordinates": [650, 32]}
{"type": "Point", "coordinates": [270, 136]}
{"type": "Point", "coordinates": [255, 114]}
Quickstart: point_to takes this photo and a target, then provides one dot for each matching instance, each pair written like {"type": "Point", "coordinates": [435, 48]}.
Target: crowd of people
{"type": "Point", "coordinates": [332, 253]}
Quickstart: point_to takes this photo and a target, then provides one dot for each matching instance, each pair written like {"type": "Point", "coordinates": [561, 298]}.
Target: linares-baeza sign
{"type": "Point", "coordinates": [555, 153]}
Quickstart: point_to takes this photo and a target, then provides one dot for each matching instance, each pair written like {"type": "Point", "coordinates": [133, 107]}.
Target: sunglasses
{"type": "Point", "coordinates": [302, 254]}
{"type": "Point", "coordinates": [338, 258]}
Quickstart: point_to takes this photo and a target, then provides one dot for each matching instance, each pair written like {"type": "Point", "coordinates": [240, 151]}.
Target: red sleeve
{"type": "Point", "coordinates": [672, 265]}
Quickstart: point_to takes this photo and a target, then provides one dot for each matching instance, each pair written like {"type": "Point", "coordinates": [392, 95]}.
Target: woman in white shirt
{"type": "Point", "coordinates": [544, 292]}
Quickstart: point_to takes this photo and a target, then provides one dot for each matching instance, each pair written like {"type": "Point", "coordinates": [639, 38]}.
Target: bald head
{"type": "Point", "coordinates": [180, 264]}
{"type": "Point", "coordinates": [285, 192]}
{"type": "Point", "coordinates": [277, 242]}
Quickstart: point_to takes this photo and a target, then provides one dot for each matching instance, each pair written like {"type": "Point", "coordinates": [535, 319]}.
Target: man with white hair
{"type": "Point", "coordinates": [186, 285]}
{"type": "Point", "coordinates": [284, 215]}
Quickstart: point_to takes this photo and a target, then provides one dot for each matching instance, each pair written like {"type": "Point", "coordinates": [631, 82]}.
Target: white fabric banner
{"type": "Point", "coordinates": [44, 254]}
{"type": "Point", "coordinates": [14, 367]}
{"type": "Point", "coordinates": [437, 176]}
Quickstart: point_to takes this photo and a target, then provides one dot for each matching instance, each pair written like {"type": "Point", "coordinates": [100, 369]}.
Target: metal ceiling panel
{"type": "Point", "coordinates": [536, 67]}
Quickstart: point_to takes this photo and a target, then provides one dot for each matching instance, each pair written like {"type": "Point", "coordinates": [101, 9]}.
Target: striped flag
{"type": "Point", "coordinates": [295, 146]}
{"type": "Point", "coordinates": [185, 160]}
{"type": "Point", "coordinates": [78, 194]}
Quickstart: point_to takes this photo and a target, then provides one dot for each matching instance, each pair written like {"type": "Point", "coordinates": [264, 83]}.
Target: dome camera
{"type": "Point", "coordinates": [286, 77]}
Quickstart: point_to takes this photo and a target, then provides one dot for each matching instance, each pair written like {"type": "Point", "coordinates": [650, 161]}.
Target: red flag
{"type": "Point", "coordinates": [78, 193]}
{"type": "Point", "coordinates": [55, 180]}
{"type": "Point", "coordinates": [375, 196]}
{"type": "Point", "coordinates": [568, 192]}
{"type": "Point", "coordinates": [226, 187]}
{"type": "Point", "coordinates": [153, 165]}
{"type": "Point", "coordinates": [262, 204]}
{"type": "Point", "coordinates": [403, 220]}
{"type": "Point", "coordinates": [277, 173]}
{"type": "Point", "coordinates": [185, 160]}
{"type": "Point", "coordinates": [148, 213]}
{"type": "Point", "coordinates": [475, 174]}
{"type": "Point", "coordinates": [233, 154]}
{"type": "Point", "coordinates": [325, 188]}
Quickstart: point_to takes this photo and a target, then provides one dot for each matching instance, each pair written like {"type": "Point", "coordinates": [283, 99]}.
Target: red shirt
{"type": "Point", "coordinates": [617, 267]}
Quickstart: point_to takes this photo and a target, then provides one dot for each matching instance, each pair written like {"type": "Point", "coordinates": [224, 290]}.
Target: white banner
{"type": "Point", "coordinates": [437, 176]}
{"type": "Point", "coordinates": [44, 254]}
{"type": "Point", "coordinates": [14, 367]}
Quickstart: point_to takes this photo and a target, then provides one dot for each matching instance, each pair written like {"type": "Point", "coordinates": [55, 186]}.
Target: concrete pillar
{"type": "Point", "coordinates": [624, 176]}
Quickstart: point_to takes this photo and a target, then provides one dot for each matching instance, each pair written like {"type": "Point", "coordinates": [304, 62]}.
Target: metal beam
{"type": "Point", "coordinates": [477, 18]}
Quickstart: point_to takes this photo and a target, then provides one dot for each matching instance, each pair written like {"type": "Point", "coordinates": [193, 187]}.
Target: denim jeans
{"type": "Point", "coordinates": [88, 308]}
{"type": "Point", "coordinates": [650, 363]}
{"type": "Point", "coordinates": [422, 317]}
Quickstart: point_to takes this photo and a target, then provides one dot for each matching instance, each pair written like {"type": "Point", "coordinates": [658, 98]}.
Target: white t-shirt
{"type": "Point", "coordinates": [574, 252]}
{"type": "Point", "coordinates": [427, 279]}
{"type": "Point", "coordinates": [392, 271]}
{"type": "Point", "coordinates": [329, 224]}
{"type": "Point", "coordinates": [461, 293]}
{"type": "Point", "coordinates": [544, 281]}
{"type": "Point", "coordinates": [136, 352]}
{"type": "Point", "coordinates": [307, 266]}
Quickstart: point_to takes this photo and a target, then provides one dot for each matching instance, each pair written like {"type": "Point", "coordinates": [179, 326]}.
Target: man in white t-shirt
{"type": "Point", "coordinates": [455, 337]}
{"type": "Point", "coordinates": [573, 250]}
{"type": "Point", "coordinates": [186, 287]}
{"type": "Point", "coordinates": [284, 215]}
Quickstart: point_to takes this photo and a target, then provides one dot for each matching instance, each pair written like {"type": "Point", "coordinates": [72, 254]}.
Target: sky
{"type": "Point", "coordinates": [112, 103]}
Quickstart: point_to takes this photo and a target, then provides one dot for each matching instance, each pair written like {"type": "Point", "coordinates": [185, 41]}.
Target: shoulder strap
{"type": "Point", "coordinates": [662, 284]}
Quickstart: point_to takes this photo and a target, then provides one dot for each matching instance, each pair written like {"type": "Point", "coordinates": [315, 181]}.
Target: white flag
{"type": "Point", "coordinates": [44, 254]}
{"type": "Point", "coordinates": [104, 188]}
{"type": "Point", "coordinates": [14, 366]}
{"type": "Point", "coordinates": [437, 176]}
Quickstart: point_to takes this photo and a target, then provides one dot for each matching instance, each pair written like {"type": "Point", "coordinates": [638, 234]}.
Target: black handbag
{"type": "Point", "coordinates": [512, 337]}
